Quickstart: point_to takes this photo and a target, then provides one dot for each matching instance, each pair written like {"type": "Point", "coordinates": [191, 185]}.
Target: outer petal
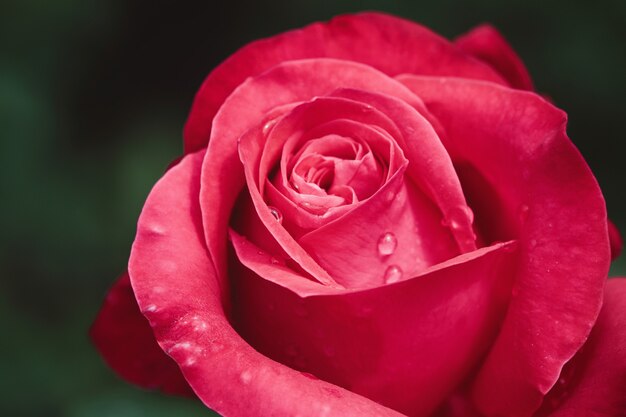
{"type": "Point", "coordinates": [488, 45]}
{"type": "Point", "coordinates": [515, 143]}
{"type": "Point", "coordinates": [125, 340]}
{"type": "Point", "coordinates": [390, 44]}
{"type": "Point", "coordinates": [593, 384]}
{"type": "Point", "coordinates": [397, 344]}
{"type": "Point", "coordinates": [177, 289]}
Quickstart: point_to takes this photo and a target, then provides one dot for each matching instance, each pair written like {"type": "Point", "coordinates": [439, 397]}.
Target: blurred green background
{"type": "Point", "coordinates": [93, 97]}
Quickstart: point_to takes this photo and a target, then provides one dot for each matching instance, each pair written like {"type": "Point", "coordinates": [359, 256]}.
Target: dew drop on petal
{"type": "Point", "coordinates": [387, 244]}
{"type": "Point", "coordinates": [268, 126]}
{"type": "Point", "coordinates": [393, 274]}
{"type": "Point", "coordinates": [458, 216]}
{"type": "Point", "coordinates": [277, 214]}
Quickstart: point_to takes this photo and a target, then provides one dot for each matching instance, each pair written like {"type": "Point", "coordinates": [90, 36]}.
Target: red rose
{"type": "Point", "coordinates": [370, 220]}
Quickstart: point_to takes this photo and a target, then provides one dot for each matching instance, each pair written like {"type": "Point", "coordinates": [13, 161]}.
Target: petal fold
{"type": "Point", "coordinates": [177, 289]}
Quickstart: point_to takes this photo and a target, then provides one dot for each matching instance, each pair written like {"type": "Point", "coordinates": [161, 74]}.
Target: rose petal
{"type": "Point", "coordinates": [346, 248]}
{"type": "Point", "coordinates": [388, 43]}
{"type": "Point", "coordinates": [291, 82]}
{"type": "Point", "coordinates": [593, 383]}
{"type": "Point", "coordinates": [615, 238]}
{"type": "Point", "coordinates": [406, 345]}
{"type": "Point", "coordinates": [126, 342]}
{"type": "Point", "coordinates": [170, 269]}
{"type": "Point", "coordinates": [516, 142]}
{"type": "Point", "coordinates": [487, 44]}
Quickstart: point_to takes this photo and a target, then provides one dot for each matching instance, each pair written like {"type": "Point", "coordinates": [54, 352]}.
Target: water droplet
{"type": "Point", "coordinates": [275, 261]}
{"type": "Point", "coordinates": [458, 216]}
{"type": "Point", "coordinates": [268, 126]}
{"type": "Point", "coordinates": [533, 243]}
{"type": "Point", "coordinates": [150, 309]}
{"type": "Point", "coordinates": [393, 274]}
{"type": "Point", "coordinates": [277, 214]}
{"type": "Point", "coordinates": [387, 244]}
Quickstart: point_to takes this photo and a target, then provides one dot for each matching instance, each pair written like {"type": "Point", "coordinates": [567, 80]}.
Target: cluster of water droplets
{"type": "Point", "coordinates": [386, 246]}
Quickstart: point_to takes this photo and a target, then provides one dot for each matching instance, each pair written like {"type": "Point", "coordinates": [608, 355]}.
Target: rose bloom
{"type": "Point", "coordinates": [370, 220]}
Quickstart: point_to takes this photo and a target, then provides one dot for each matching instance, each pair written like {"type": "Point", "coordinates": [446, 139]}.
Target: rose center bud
{"type": "Point", "coordinates": [341, 196]}
{"type": "Point", "coordinates": [331, 171]}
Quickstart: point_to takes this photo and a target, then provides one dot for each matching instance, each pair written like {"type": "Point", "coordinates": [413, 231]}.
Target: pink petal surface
{"type": "Point", "coordinates": [347, 246]}
{"type": "Point", "coordinates": [391, 44]}
{"type": "Point", "coordinates": [249, 105]}
{"type": "Point", "coordinates": [397, 344]}
{"type": "Point", "coordinates": [516, 142]}
{"type": "Point", "coordinates": [487, 44]}
{"type": "Point", "coordinates": [178, 291]}
{"type": "Point", "coordinates": [126, 342]}
{"type": "Point", "coordinates": [593, 383]}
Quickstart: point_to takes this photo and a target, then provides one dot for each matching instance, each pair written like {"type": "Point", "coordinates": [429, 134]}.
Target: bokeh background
{"type": "Point", "coordinates": [93, 97]}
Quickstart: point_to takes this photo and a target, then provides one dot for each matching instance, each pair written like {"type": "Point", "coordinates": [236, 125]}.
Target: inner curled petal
{"type": "Point", "coordinates": [336, 165]}
{"type": "Point", "coordinates": [324, 157]}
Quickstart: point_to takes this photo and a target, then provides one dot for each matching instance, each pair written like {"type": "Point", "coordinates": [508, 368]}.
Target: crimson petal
{"type": "Point", "coordinates": [516, 142]}
{"type": "Point", "coordinates": [124, 338]}
{"type": "Point", "coordinates": [177, 289]}
{"type": "Point", "coordinates": [397, 344]}
{"type": "Point", "coordinates": [593, 384]}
